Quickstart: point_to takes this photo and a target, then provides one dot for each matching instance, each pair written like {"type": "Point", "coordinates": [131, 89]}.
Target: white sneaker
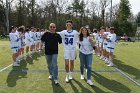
{"type": "Point", "coordinates": [90, 82]}
{"type": "Point", "coordinates": [82, 77]}
{"type": "Point", "coordinates": [110, 64]}
{"type": "Point", "coordinates": [56, 81]}
{"type": "Point", "coordinates": [106, 60]}
{"type": "Point", "coordinates": [101, 57]}
{"type": "Point", "coordinates": [86, 70]}
{"type": "Point", "coordinates": [50, 77]}
{"type": "Point", "coordinates": [67, 78]}
{"type": "Point", "coordinates": [70, 76]}
{"type": "Point", "coordinates": [98, 54]}
{"type": "Point", "coordinates": [15, 64]}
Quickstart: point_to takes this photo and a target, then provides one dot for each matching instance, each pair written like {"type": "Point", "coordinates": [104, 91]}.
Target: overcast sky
{"type": "Point", "coordinates": [135, 4]}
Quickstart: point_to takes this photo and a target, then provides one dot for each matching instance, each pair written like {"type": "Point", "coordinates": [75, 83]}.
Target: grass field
{"type": "Point", "coordinates": [32, 75]}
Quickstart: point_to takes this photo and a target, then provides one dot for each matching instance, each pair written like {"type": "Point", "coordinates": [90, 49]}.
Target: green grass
{"type": "Point", "coordinates": [126, 58]}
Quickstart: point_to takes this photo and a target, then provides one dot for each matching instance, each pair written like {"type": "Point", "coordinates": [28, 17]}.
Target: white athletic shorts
{"type": "Point", "coordinates": [35, 42]}
{"type": "Point", "coordinates": [14, 50]}
{"type": "Point", "coordinates": [104, 45]}
{"type": "Point", "coordinates": [32, 42]}
{"type": "Point", "coordinates": [110, 49]}
{"type": "Point", "coordinates": [27, 43]}
{"type": "Point", "coordinates": [38, 41]}
{"type": "Point", "coordinates": [71, 55]}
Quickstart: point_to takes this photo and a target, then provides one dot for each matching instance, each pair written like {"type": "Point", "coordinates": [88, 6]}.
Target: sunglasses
{"type": "Point", "coordinates": [52, 27]}
{"type": "Point", "coordinates": [68, 24]}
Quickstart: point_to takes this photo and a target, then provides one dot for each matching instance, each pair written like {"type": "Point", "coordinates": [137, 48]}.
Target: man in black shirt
{"type": "Point", "coordinates": [51, 40]}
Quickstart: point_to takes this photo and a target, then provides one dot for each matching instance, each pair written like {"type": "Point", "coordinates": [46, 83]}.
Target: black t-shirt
{"type": "Point", "coordinates": [51, 42]}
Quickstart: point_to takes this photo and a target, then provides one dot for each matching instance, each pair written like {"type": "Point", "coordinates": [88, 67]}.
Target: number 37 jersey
{"type": "Point", "coordinates": [69, 39]}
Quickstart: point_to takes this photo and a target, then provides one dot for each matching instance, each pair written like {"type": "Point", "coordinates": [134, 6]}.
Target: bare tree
{"type": "Point", "coordinates": [103, 6]}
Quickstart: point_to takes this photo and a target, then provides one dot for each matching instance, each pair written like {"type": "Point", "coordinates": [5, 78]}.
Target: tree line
{"type": "Point", "coordinates": [95, 14]}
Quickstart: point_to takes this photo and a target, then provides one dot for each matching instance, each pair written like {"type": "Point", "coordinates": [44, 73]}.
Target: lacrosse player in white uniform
{"type": "Point", "coordinates": [14, 45]}
{"type": "Point", "coordinates": [32, 43]}
{"type": "Point", "coordinates": [27, 41]}
{"type": "Point", "coordinates": [21, 30]}
{"type": "Point", "coordinates": [111, 39]}
{"type": "Point", "coordinates": [105, 43]}
{"type": "Point", "coordinates": [101, 42]}
{"type": "Point", "coordinates": [69, 40]}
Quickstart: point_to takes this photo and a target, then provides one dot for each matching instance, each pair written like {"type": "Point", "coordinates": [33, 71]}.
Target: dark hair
{"type": "Point", "coordinates": [21, 30]}
{"type": "Point", "coordinates": [112, 28]}
{"type": "Point", "coordinates": [38, 29]}
{"type": "Point", "coordinates": [95, 30]}
{"type": "Point", "coordinates": [27, 30]}
{"type": "Point", "coordinates": [81, 35]}
{"type": "Point", "coordinates": [69, 21]}
{"type": "Point", "coordinates": [11, 28]}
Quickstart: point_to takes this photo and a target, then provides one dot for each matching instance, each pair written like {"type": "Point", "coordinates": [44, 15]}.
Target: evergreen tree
{"type": "Point", "coordinates": [121, 23]}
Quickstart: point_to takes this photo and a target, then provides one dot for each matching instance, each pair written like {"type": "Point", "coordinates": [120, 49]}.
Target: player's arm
{"type": "Point", "coordinates": [59, 39]}
{"type": "Point", "coordinates": [43, 38]}
{"type": "Point", "coordinates": [61, 33]}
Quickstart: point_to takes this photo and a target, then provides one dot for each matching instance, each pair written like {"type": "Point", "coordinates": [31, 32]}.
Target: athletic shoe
{"type": "Point", "coordinates": [70, 75]}
{"type": "Point", "coordinates": [82, 77]}
{"type": "Point", "coordinates": [101, 57]}
{"type": "Point", "coordinates": [67, 78]}
{"type": "Point", "coordinates": [86, 70]}
{"type": "Point", "coordinates": [110, 64]}
{"type": "Point", "coordinates": [90, 82]}
{"type": "Point", "coordinates": [98, 54]}
{"type": "Point", "coordinates": [106, 60]}
{"type": "Point", "coordinates": [50, 77]}
{"type": "Point", "coordinates": [56, 82]}
{"type": "Point", "coordinates": [15, 64]}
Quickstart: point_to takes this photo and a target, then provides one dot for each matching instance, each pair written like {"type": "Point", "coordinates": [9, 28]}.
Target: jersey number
{"type": "Point", "coordinates": [68, 41]}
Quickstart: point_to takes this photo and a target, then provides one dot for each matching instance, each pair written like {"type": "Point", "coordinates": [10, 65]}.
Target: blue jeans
{"type": "Point", "coordinates": [86, 59]}
{"type": "Point", "coordinates": [52, 65]}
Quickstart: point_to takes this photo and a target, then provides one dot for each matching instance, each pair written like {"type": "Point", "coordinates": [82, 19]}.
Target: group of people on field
{"type": "Point", "coordinates": [101, 41]}
{"type": "Point", "coordinates": [28, 39]}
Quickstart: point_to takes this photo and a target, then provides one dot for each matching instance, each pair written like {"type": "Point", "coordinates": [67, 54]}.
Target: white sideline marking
{"type": "Point", "coordinates": [6, 67]}
{"type": "Point", "coordinates": [128, 77]}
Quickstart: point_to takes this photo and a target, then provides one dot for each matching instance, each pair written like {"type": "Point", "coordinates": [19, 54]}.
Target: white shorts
{"type": "Point", "coordinates": [35, 42]}
{"type": "Point", "coordinates": [15, 50]}
{"type": "Point", "coordinates": [38, 41]}
{"type": "Point", "coordinates": [27, 44]}
{"type": "Point", "coordinates": [105, 46]}
{"type": "Point", "coordinates": [110, 49]}
{"type": "Point", "coordinates": [32, 43]}
{"type": "Point", "coordinates": [71, 55]}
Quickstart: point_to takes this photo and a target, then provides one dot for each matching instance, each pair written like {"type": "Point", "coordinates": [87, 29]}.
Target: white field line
{"type": "Point", "coordinates": [128, 77]}
{"type": "Point", "coordinates": [5, 68]}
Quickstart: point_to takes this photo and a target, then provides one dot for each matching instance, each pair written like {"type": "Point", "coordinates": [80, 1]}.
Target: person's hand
{"type": "Point", "coordinates": [104, 36]}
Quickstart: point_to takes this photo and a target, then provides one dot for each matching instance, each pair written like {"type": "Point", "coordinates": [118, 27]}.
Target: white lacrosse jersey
{"type": "Point", "coordinates": [31, 34]}
{"type": "Point", "coordinates": [69, 39]}
{"type": "Point", "coordinates": [107, 34]}
{"type": "Point", "coordinates": [14, 40]}
{"type": "Point", "coordinates": [100, 38]}
{"type": "Point", "coordinates": [27, 38]}
{"type": "Point", "coordinates": [38, 35]}
{"type": "Point", "coordinates": [111, 40]}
